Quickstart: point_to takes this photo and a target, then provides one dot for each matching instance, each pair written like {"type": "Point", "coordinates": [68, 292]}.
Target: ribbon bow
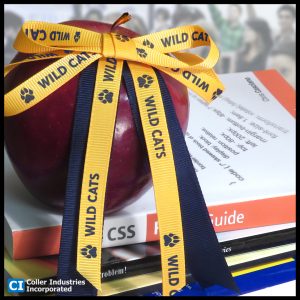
{"type": "Point", "coordinates": [160, 50]}
{"type": "Point", "coordinates": [185, 229]}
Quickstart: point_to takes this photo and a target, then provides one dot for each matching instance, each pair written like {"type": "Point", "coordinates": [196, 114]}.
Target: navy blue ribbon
{"type": "Point", "coordinates": [203, 253]}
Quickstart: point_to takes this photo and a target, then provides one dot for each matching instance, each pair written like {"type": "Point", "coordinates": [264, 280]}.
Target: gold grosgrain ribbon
{"type": "Point", "coordinates": [162, 166]}
{"type": "Point", "coordinates": [75, 49]}
{"type": "Point", "coordinates": [97, 157]}
{"type": "Point", "coordinates": [46, 40]}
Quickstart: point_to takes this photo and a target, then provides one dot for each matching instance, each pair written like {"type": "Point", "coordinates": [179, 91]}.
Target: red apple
{"type": "Point", "coordinates": [38, 140]}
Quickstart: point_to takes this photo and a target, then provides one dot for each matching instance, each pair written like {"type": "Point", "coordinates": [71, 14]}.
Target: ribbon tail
{"type": "Point", "coordinates": [203, 253]}
{"type": "Point", "coordinates": [68, 244]}
{"type": "Point", "coordinates": [164, 178]}
{"type": "Point", "coordinates": [95, 174]}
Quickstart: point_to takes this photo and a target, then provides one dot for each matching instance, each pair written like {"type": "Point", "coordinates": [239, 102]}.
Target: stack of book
{"type": "Point", "coordinates": [243, 149]}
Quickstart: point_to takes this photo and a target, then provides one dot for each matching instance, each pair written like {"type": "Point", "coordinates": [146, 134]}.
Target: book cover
{"type": "Point", "coordinates": [243, 149]}
{"type": "Point", "coordinates": [131, 260]}
{"type": "Point", "coordinates": [148, 282]}
{"type": "Point", "coordinates": [248, 280]}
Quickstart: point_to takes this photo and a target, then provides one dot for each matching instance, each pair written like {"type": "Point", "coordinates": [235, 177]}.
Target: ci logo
{"type": "Point", "coordinates": [15, 285]}
{"type": "Point", "coordinates": [171, 240]}
{"type": "Point", "coordinates": [89, 251]}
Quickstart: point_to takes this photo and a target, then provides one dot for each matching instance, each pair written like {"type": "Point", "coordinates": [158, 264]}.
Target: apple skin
{"type": "Point", "coordinates": [38, 140]}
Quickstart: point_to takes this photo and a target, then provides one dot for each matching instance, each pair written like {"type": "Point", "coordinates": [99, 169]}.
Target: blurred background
{"type": "Point", "coordinates": [250, 36]}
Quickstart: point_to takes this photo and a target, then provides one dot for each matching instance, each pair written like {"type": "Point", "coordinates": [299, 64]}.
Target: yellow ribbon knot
{"type": "Point", "coordinates": [108, 45]}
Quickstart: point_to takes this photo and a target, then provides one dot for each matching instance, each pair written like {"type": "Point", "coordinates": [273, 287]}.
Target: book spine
{"type": "Point", "coordinates": [121, 230]}
{"type": "Point", "coordinates": [241, 215]}
{"type": "Point", "coordinates": [265, 276]}
{"type": "Point", "coordinates": [130, 268]}
{"type": "Point", "coordinates": [258, 242]}
{"type": "Point", "coordinates": [150, 264]}
{"type": "Point", "coordinates": [153, 263]}
{"type": "Point", "coordinates": [140, 228]}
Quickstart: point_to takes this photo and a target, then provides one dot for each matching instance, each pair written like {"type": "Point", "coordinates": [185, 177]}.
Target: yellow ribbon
{"type": "Point", "coordinates": [76, 48]}
{"type": "Point", "coordinates": [97, 157]}
{"type": "Point", "coordinates": [164, 176]}
{"type": "Point", "coordinates": [50, 40]}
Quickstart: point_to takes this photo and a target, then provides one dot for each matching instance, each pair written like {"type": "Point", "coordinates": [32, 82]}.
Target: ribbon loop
{"type": "Point", "coordinates": [152, 49]}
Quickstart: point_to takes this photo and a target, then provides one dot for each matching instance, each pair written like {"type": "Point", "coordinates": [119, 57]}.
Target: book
{"type": "Point", "coordinates": [248, 280]}
{"type": "Point", "coordinates": [131, 260]}
{"type": "Point", "coordinates": [146, 283]}
{"type": "Point", "coordinates": [243, 149]}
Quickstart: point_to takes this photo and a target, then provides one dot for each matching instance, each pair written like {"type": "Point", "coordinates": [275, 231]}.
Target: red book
{"type": "Point", "coordinates": [243, 149]}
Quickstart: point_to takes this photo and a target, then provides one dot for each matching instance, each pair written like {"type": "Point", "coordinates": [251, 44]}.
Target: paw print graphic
{"type": "Point", "coordinates": [145, 81]}
{"type": "Point", "coordinates": [141, 52]}
{"type": "Point", "coordinates": [171, 240]}
{"type": "Point", "coordinates": [89, 251]}
{"type": "Point", "coordinates": [105, 96]}
{"type": "Point", "coordinates": [122, 38]}
{"type": "Point", "coordinates": [77, 36]}
{"type": "Point", "coordinates": [216, 93]}
{"type": "Point", "coordinates": [147, 43]}
{"type": "Point", "coordinates": [27, 95]}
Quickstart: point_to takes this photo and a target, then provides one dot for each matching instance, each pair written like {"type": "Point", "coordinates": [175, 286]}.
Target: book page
{"type": "Point", "coordinates": [242, 144]}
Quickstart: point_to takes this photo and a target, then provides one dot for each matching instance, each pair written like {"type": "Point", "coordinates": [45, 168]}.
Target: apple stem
{"type": "Point", "coordinates": [125, 17]}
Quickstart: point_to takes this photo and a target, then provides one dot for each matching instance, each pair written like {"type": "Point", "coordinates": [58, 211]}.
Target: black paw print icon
{"type": "Point", "coordinates": [141, 52]}
{"type": "Point", "coordinates": [27, 95]}
{"type": "Point", "coordinates": [171, 240]}
{"type": "Point", "coordinates": [77, 36]}
{"type": "Point", "coordinates": [105, 96]}
{"type": "Point", "coordinates": [89, 251]}
{"type": "Point", "coordinates": [147, 43]}
{"type": "Point", "coordinates": [145, 81]}
{"type": "Point", "coordinates": [216, 93]}
{"type": "Point", "coordinates": [122, 38]}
